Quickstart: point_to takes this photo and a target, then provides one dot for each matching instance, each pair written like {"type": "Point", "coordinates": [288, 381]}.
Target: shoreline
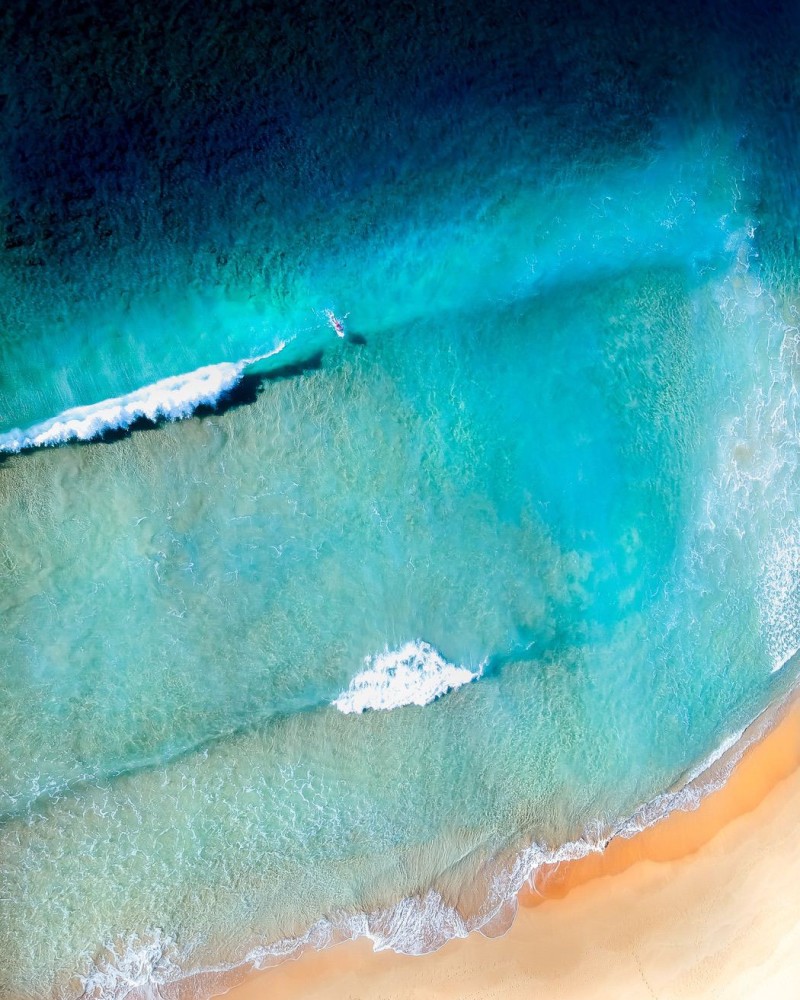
{"type": "Point", "coordinates": [685, 900]}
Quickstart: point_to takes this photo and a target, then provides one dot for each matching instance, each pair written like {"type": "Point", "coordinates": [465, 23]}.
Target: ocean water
{"type": "Point", "coordinates": [307, 636]}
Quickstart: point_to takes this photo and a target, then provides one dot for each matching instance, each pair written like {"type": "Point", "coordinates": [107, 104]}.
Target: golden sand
{"type": "Point", "coordinates": [703, 904]}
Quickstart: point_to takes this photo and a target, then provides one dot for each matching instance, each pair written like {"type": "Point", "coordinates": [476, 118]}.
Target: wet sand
{"type": "Point", "coordinates": [703, 904]}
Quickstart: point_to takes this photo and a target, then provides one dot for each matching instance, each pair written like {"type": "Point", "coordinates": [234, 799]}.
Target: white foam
{"type": "Point", "coordinates": [750, 530]}
{"type": "Point", "coordinates": [779, 598]}
{"type": "Point", "coordinates": [780, 663]}
{"type": "Point", "coordinates": [135, 966]}
{"type": "Point", "coordinates": [415, 674]}
{"type": "Point", "coordinates": [171, 398]}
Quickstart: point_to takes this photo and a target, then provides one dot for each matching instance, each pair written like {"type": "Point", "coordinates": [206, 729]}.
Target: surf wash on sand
{"type": "Point", "coordinates": [151, 965]}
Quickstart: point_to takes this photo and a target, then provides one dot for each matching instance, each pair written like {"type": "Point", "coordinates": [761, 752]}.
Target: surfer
{"type": "Point", "coordinates": [335, 322]}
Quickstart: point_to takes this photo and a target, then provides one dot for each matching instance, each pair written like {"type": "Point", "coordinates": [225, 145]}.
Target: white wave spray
{"type": "Point", "coordinates": [173, 398]}
{"type": "Point", "coordinates": [414, 674]}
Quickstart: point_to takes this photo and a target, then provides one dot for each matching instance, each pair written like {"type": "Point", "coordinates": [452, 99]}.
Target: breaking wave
{"type": "Point", "coordinates": [414, 674]}
{"type": "Point", "coordinates": [173, 398]}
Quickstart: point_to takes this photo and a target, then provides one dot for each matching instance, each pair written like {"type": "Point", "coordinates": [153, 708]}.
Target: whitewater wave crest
{"type": "Point", "coordinates": [173, 398]}
{"type": "Point", "coordinates": [414, 674]}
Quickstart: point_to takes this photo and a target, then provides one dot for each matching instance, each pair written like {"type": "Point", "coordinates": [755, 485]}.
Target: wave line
{"type": "Point", "coordinates": [173, 398]}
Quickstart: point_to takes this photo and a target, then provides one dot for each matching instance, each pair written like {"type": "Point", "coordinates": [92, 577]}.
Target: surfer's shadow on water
{"type": "Point", "coordinates": [244, 393]}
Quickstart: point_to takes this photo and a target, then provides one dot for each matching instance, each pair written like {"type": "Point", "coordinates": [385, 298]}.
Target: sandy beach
{"type": "Point", "coordinates": [703, 904]}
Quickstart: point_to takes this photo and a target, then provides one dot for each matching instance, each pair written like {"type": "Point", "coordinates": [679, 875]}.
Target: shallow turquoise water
{"type": "Point", "coordinates": [561, 450]}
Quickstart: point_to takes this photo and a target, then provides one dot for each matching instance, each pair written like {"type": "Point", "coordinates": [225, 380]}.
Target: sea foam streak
{"type": "Point", "coordinates": [414, 674]}
{"type": "Point", "coordinates": [171, 398]}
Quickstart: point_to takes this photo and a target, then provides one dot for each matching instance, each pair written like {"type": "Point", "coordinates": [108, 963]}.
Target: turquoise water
{"type": "Point", "coordinates": [556, 453]}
